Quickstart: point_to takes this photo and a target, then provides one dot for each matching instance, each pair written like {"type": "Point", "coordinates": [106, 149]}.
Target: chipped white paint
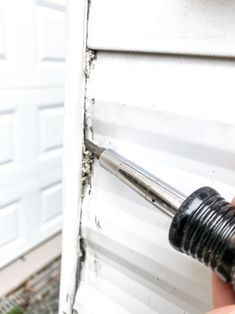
{"type": "Point", "coordinates": [73, 139]}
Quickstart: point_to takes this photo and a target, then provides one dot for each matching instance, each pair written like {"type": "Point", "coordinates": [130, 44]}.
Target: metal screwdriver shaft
{"type": "Point", "coordinates": [154, 190]}
{"type": "Point", "coordinates": [96, 150]}
{"type": "Point", "coordinates": [203, 224]}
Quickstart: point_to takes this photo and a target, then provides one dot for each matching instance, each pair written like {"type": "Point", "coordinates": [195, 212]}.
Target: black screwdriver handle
{"type": "Point", "coordinates": [204, 228]}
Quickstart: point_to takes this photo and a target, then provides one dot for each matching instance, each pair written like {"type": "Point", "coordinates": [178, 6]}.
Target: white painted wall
{"type": "Point", "coordinates": [32, 47]}
{"type": "Point", "coordinates": [160, 92]}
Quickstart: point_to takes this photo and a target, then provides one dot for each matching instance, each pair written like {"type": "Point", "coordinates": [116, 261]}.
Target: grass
{"type": "Point", "coordinates": [17, 310]}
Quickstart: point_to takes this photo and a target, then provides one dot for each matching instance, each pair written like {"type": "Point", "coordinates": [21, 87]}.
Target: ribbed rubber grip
{"type": "Point", "coordinates": [204, 228]}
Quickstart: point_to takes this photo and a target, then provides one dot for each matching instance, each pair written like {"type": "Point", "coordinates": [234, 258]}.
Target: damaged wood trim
{"type": "Point", "coordinates": [77, 18]}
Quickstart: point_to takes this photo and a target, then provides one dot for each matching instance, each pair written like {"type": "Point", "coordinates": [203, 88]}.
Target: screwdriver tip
{"type": "Point", "coordinates": [96, 150]}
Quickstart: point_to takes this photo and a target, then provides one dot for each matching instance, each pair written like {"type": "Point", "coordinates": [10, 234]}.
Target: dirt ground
{"type": "Point", "coordinates": [38, 295]}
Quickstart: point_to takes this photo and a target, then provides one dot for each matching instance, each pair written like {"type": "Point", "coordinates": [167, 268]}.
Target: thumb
{"type": "Point", "coordinates": [233, 201]}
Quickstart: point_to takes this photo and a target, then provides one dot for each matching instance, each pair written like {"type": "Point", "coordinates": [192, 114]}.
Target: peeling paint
{"type": "Point", "coordinates": [91, 56]}
{"type": "Point", "coordinates": [87, 162]}
{"type": "Point", "coordinates": [86, 187]}
{"type": "Point", "coordinates": [77, 80]}
{"type": "Point", "coordinates": [87, 159]}
{"type": "Point", "coordinates": [88, 128]}
{"type": "Point", "coordinates": [86, 168]}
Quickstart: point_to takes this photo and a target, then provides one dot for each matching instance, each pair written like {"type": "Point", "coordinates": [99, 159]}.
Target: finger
{"type": "Point", "coordinates": [222, 292]}
{"type": "Point", "coordinates": [233, 201]}
{"type": "Point", "coordinates": [224, 310]}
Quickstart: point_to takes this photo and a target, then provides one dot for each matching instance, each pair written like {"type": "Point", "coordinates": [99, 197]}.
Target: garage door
{"type": "Point", "coordinates": [159, 90]}
{"type": "Point", "coordinates": [31, 118]}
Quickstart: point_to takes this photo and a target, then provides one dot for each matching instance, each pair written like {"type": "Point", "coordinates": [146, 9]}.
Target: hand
{"type": "Point", "coordinates": [223, 294]}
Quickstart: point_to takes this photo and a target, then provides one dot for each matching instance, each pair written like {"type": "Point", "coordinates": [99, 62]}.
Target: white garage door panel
{"type": "Point", "coordinates": [12, 78]}
{"type": "Point", "coordinates": [33, 126]}
{"type": "Point", "coordinates": [51, 202]}
{"type": "Point", "coordinates": [32, 44]}
{"type": "Point", "coordinates": [23, 212]}
{"type": "Point", "coordinates": [9, 217]}
{"type": "Point", "coordinates": [7, 137]}
{"type": "Point", "coordinates": [50, 122]}
{"type": "Point", "coordinates": [181, 26]}
{"type": "Point", "coordinates": [171, 115]}
{"type": "Point", "coordinates": [51, 34]}
{"type": "Point", "coordinates": [31, 123]}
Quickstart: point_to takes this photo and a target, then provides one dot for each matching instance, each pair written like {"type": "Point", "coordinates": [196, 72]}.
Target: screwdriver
{"type": "Point", "coordinates": [203, 224]}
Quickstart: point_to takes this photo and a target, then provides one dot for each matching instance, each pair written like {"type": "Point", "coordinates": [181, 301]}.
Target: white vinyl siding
{"type": "Point", "coordinates": [160, 92]}
{"type": "Point", "coordinates": [163, 26]}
